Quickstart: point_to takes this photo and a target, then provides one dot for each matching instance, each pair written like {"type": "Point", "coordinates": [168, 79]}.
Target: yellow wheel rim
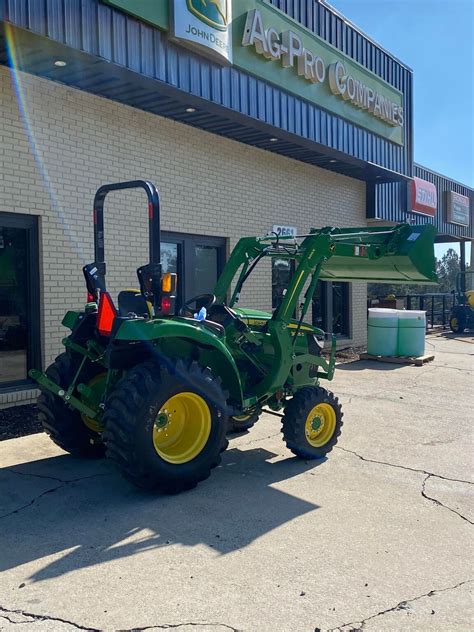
{"type": "Point", "coordinates": [320, 425]}
{"type": "Point", "coordinates": [182, 428]}
{"type": "Point", "coordinates": [97, 386]}
{"type": "Point", "coordinates": [242, 419]}
{"type": "Point", "coordinates": [454, 323]}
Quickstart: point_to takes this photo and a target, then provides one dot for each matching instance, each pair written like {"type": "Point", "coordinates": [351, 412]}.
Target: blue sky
{"type": "Point", "coordinates": [434, 38]}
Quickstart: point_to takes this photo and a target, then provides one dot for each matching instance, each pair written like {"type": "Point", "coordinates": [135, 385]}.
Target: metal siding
{"type": "Point", "coordinates": [389, 203]}
{"type": "Point", "coordinates": [92, 27]}
{"type": "Point", "coordinates": [36, 16]}
{"type": "Point", "coordinates": [89, 27]}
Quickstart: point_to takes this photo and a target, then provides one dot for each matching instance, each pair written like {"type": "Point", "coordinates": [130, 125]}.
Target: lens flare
{"type": "Point", "coordinates": [21, 92]}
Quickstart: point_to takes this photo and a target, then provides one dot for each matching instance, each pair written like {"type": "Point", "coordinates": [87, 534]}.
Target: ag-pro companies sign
{"type": "Point", "coordinates": [260, 39]}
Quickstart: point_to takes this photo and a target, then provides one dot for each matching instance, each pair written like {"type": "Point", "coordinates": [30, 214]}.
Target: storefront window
{"type": "Point", "coordinates": [196, 260]}
{"type": "Point", "coordinates": [206, 269]}
{"type": "Point", "coordinates": [18, 289]}
{"type": "Point", "coordinates": [319, 306]}
{"type": "Point", "coordinates": [331, 307]}
{"type": "Point", "coordinates": [340, 308]}
{"type": "Point", "coordinates": [169, 257]}
{"type": "Point", "coordinates": [282, 271]}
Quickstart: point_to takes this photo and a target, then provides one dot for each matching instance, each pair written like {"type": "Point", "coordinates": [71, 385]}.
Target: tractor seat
{"type": "Point", "coordinates": [131, 301]}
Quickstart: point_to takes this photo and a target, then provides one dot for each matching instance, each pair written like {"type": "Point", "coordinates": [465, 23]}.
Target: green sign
{"type": "Point", "coordinates": [270, 45]}
{"type": "Point", "coordinates": [458, 208]}
{"type": "Point", "coordinates": [156, 12]}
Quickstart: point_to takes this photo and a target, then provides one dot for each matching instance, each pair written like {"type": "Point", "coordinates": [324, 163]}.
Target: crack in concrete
{"type": "Point", "coordinates": [417, 471]}
{"type": "Point", "coordinates": [401, 605]}
{"type": "Point", "coordinates": [4, 612]}
{"type": "Point", "coordinates": [54, 478]}
{"type": "Point", "coordinates": [403, 467]}
{"type": "Point", "coordinates": [276, 434]}
{"type": "Point", "coordinates": [63, 483]}
{"type": "Point", "coordinates": [385, 399]}
{"type": "Point", "coordinates": [169, 626]}
{"type": "Point", "coordinates": [438, 502]}
{"type": "Point", "coordinates": [32, 502]}
{"type": "Point", "coordinates": [453, 368]}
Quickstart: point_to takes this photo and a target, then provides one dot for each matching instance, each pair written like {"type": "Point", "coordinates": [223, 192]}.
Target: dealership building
{"type": "Point", "coordinates": [250, 116]}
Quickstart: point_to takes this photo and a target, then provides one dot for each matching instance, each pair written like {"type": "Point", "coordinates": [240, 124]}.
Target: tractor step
{"type": "Point", "coordinates": [417, 360]}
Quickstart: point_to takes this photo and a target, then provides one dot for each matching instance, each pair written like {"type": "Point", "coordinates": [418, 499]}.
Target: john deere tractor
{"type": "Point", "coordinates": [462, 312]}
{"type": "Point", "coordinates": [155, 388]}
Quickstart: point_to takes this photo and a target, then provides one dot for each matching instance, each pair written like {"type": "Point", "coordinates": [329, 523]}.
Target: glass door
{"type": "Point", "coordinates": [19, 294]}
{"type": "Point", "coordinates": [198, 261]}
{"type": "Point", "coordinates": [331, 303]}
{"type": "Point", "coordinates": [206, 269]}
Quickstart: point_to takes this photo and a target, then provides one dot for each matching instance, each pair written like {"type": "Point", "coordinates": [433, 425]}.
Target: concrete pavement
{"type": "Point", "coordinates": [379, 536]}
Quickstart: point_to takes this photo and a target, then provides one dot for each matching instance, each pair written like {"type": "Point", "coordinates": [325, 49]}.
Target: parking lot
{"type": "Point", "coordinates": [378, 536]}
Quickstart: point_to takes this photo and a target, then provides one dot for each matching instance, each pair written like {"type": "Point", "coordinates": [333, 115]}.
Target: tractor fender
{"type": "Point", "coordinates": [168, 334]}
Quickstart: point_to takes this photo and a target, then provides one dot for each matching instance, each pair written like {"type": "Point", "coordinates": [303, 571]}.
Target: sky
{"type": "Point", "coordinates": [435, 39]}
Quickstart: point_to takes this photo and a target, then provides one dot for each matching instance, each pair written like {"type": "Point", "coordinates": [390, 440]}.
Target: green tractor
{"type": "Point", "coordinates": [156, 390]}
{"type": "Point", "coordinates": [462, 312]}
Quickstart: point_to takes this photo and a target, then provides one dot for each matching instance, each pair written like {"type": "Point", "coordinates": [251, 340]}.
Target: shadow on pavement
{"type": "Point", "coordinates": [466, 336]}
{"type": "Point", "coordinates": [100, 517]}
{"type": "Point", "coordinates": [362, 365]}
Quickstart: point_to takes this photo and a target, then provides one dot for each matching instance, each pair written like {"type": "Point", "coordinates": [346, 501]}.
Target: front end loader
{"type": "Point", "coordinates": [155, 388]}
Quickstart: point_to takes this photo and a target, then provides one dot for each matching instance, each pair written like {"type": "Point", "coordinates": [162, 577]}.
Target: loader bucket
{"type": "Point", "coordinates": [402, 254]}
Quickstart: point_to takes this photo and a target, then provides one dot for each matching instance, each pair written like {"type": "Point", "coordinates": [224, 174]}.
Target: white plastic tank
{"type": "Point", "coordinates": [382, 332]}
{"type": "Point", "coordinates": [411, 332]}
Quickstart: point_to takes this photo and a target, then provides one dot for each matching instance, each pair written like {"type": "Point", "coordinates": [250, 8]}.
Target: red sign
{"type": "Point", "coordinates": [424, 197]}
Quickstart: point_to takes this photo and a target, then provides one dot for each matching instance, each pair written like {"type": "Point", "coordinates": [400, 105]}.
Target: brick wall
{"type": "Point", "coordinates": [68, 143]}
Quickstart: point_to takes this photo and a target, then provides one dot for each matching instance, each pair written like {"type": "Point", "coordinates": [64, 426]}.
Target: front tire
{"type": "Point", "coordinates": [165, 427]}
{"type": "Point", "coordinates": [312, 422]}
{"type": "Point", "coordinates": [242, 423]}
{"type": "Point", "coordinates": [70, 430]}
{"type": "Point", "coordinates": [456, 324]}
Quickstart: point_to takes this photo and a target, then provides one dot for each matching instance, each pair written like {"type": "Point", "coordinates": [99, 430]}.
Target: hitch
{"type": "Point", "coordinates": [46, 383]}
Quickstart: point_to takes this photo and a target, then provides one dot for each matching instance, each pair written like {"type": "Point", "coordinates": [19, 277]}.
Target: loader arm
{"type": "Point", "coordinates": [402, 253]}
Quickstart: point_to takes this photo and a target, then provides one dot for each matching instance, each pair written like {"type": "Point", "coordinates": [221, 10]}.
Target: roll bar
{"type": "Point", "coordinates": [149, 275]}
{"type": "Point", "coordinates": [153, 216]}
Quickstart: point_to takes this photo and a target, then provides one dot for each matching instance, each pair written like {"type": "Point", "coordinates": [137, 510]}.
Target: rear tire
{"type": "Point", "coordinates": [64, 425]}
{"type": "Point", "coordinates": [165, 427]}
{"type": "Point", "coordinates": [312, 422]}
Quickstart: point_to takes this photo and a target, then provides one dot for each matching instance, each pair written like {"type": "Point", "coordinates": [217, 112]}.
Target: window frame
{"type": "Point", "coordinates": [33, 294]}
{"type": "Point", "coordinates": [327, 308]}
{"type": "Point", "coordinates": [186, 258]}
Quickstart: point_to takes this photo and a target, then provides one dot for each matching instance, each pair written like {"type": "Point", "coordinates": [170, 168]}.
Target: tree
{"type": "Point", "coordinates": [447, 269]}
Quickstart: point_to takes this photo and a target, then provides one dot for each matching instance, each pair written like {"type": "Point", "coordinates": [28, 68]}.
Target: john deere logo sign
{"type": "Point", "coordinates": [205, 23]}
{"type": "Point", "coordinates": [214, 13]}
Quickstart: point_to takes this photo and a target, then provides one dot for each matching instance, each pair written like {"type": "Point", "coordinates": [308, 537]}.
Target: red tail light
{"type": "Point", "coordinates": [166, 304]}
{"type": "Point", "coordinates": [106, 315]}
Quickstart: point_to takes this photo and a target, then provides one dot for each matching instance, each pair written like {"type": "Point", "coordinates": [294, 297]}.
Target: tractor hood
{"type": "Point", "coordinates": [252, 314]}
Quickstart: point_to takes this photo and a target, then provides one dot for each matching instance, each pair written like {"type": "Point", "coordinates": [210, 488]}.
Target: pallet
{"type": "Point", "coordinates": [418, 360]}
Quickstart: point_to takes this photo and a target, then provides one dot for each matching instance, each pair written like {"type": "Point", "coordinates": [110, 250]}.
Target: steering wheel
{"type": "Point", "coordinates": [201, 300]}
